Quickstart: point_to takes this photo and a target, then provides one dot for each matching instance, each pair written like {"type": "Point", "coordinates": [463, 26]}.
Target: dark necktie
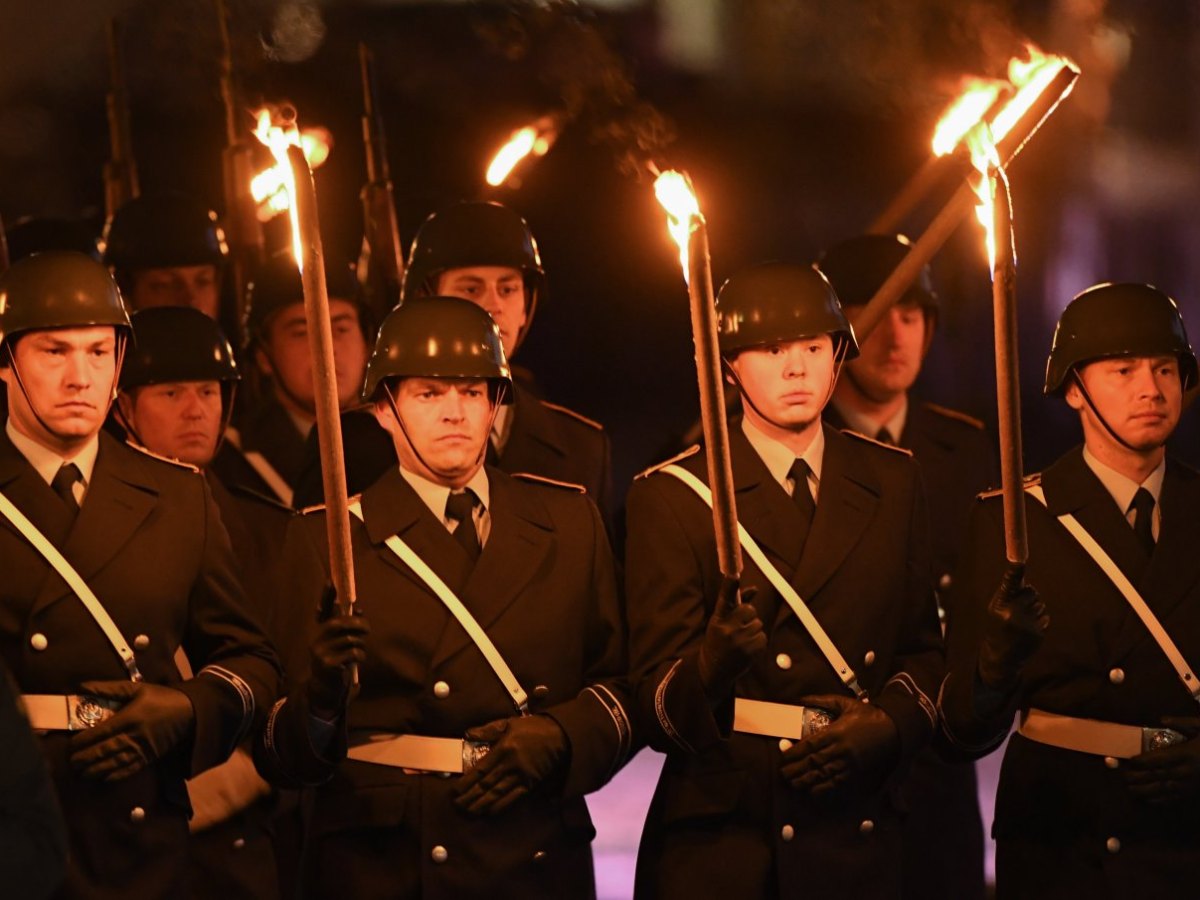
{"type": "Point", "coordinates": [801, 495]}
{"type": "Point", "coordinates": [64, 480]}
{"type": "Point", "coordinates": [1143, 519]}
{"type": "Point", "coordinates": [885, 437]}
{"type": "Point", "coordinates": [460, 507]}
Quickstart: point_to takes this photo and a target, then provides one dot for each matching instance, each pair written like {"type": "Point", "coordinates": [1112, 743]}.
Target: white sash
{"type": "Point", "coordinates": [262, 467]}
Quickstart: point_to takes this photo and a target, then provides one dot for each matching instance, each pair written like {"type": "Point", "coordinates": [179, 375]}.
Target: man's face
{"type": "Point", "coordinates": [787, 383]}
{"type": "Point", "coordinates": [446, 421]}
{"type": "Point", "coordinates": [889, 360]}
{"type": "Point", "coordinates": [284, 354]}
{"type": "Point", "coordinates": [499, 290]}
{"type": "Point", "coordinates": [194, 286]}
{"type": "Point", "coordinates": [1140, 397]}
{"type": "Point", "coordinates": [69, 374]}
{"type": "Point", "coordinates": [181, 420]}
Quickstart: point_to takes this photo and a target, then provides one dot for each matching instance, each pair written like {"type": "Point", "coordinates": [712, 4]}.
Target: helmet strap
{"type": "Point", "coordinates": [400, 421]}
{"type": "Point", "coordinates": [1103, 421]}
{"type": "Point", "coordinates": [839, 362]}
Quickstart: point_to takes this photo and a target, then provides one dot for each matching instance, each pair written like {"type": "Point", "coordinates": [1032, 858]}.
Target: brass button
{"type": "Point", "coordinates": [869, 659]}
{"type": "Point", "coordinates": [1117, 676]}
{"type": "Point", "coordinates": [38, 642]}
{"type": "Point", "coordinates": [137, 815]}
{"type": "Point", "coordinates": [439, 854]}
{"type": "Point", "coordinates": [539, 856]}
{"type": "Point", "coordinates": [239, 843]}
{"type": "Point", "coordinates": [141, 642]}
{"type": "Point", "coordinates": [866, 826]}
{"type": "Point", "coordinates": [783, 661]}
{"type": "Point", "coordinates": [1113, 845]}
{"type": "Point", "coordinates": [441, 690]}
{"type": "Point", "coordinates": [1111, 761]}
{"type": "Point", "coordinates": [785, 745]}
{"type": "Point", "coordinates": [787, 832]}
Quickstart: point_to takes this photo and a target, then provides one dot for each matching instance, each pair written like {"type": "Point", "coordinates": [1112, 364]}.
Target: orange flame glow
{"type": "Point", "coordinates": [674, 191]}
{"type": "Point", "coordinates": [274, 188]}
{"type": "Point", "coordinates": [986, 161]}
{"type": "Point", "coordinates": [535, 140]}
{"type": "Point", "coordinates": [965, 113]}
{"type": "Point", "coordinates": [1030, 77]}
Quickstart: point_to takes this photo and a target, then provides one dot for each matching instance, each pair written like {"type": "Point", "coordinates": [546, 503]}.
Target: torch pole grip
{"type": "Point", "coordinates": [712, 402]}
{"type": "Point", "coordinates": [329, 425]}
{"type": "Point", "coordinates": [1008, 379]}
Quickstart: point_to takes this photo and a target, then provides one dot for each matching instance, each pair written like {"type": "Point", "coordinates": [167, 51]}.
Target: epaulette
{"type": "Point", "coordinates": [542, 479]}
{"type": "Point", "coordinates": [956, 415]}
{"type": "Point", "coordinates": [320, 507]}
{"type": "Point", "coordinates": [591, 423]}
{"type": "Point", "coordinates": [167, 459]}
{"type": "Point", "coordinates": [1030, 481]}
{"type": "Point", "coordinates": [870, 440]}
{"type": "Point", "coordinates": [690, 451]}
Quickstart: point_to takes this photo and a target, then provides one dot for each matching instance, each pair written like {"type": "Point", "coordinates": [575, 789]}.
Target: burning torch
{"type": "Point", "coordinates": [690, 231]}
{"type": "Point", "coordinates": [534, 140]}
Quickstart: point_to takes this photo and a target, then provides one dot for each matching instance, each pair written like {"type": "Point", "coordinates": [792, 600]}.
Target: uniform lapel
{"type": "Point", "coordinates": [21, 483]}
{"type": "Point", "coordinates": [533, 432]}
{"type": "Point", "coordinates": [520, 540]}
{"type": "Point", "coordinates": [763, 506]}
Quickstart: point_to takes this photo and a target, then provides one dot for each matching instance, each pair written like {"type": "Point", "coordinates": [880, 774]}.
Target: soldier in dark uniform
{"type": "Point", "coordinates": [535, 726]}
{"type": "Point", "coordinates": [177, 389]}
{"type": "Point", "coordinates": [276, 421]}
{"type": "Point", "coordinates": [96, 658]}
{"type": "Point", "coordinates": [485, 253]}
{"type": "Point", "coordinates": [755, 799]}
{"type": "Point", "coordinates": [1099, 786]}
{"type": "Point", "coordinates": [943, 847]}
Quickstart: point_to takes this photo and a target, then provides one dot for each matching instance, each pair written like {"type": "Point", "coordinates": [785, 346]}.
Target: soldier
{"type": "Point", "coordinates": [755, 799]}
{"type": "Point", "coordinates": [278, 420]}
{"type": "Point", "coordinates": [1099, 787]}
{"type": "Point", "coordinates": [943, 835]}
{"type": "Point", "coordinates": [485, 253]}
{"type": "Point", "coordinates": [177, 389]}
{"type": "Point", "coordinates": [481, 587]}
{"type": "Point", "coordinates": [114, 561]}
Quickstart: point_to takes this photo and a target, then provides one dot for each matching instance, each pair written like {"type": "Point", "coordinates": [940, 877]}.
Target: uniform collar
{"type": "Point", "coordinates": [434, 495]}
{"type": "Point", "coordinates": [1121, 487]}
{"type": "Point", "coordinates": [778, 458]}
{"type": "Point", "coordinates": [47, 462]}
{"type": "Point", "coordinates": [856, 421]}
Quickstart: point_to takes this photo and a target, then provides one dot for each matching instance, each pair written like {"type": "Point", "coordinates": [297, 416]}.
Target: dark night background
{"type": "Point", "coordinates": [797, 121]}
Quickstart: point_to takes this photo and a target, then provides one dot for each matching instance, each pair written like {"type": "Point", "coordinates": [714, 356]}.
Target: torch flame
{"type": "Point", "coordinates": [674, 191]}
{"type": "Point", "coordinates": [273, 188]}
{"type": "Point", "coordinates": [965, 113]}
{"type": "Point", "coordinates": [1030, 77]}
{"type": "Point", "coordinates": [535, 139]}
{"type": "Point", "coordinates": [986, 161]}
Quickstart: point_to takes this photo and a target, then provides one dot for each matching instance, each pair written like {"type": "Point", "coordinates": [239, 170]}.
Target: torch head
{"type": "Point", "coordinates": [438, 337]}
{"type": "Point", "coordinates": [858, 267]}
{"type": "Point", "coordinates": [1115, 320]}
{"type": "Point", "coordinates": [777, 302]}
{"type": "Point", "coordinates": [474, 234]}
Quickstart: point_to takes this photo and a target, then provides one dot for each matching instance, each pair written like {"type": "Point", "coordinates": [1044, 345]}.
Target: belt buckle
{"type": "Point", "coordinates": [1160, 738]}
{"type": "Point", "coordinates": [472, 753]}
{"type": "Point", "coordinates": [814, 720]}
{"type": "Point", "coordinates": [84, 711]}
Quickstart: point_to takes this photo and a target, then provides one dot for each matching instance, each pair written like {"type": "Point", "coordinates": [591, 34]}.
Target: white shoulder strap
{"type": "Point", "coordinates": [799, 607]}
{"type": "Point", "coordinates": [262, 467]}
{"type": "Point", "coordinates": [89, 600]}
{"type": "Point", "coordinates": [1129, 592]}
{"type": "Point", "coordinates": [473, 629]}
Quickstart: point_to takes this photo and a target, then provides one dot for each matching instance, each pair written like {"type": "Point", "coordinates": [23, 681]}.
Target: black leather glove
{"type": "Point", "coordinates": [1016, 624]}
{"type": "Point", "coordinates": [858, 750]}
{"type": "Point", "coordinates": [733, 638]}
{"type": "Point", "coordinates": [153, 720]}
{"type": "Point", "coordinates": [526, 752]}
{"type": "Point", "coordinates": [1170, 775]}
{"type": "Point", "coordinates": [338, 644]}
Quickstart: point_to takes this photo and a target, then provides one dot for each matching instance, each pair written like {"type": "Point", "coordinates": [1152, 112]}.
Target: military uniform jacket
{"type": "Point", "coordinates": [267, 429]}
{"type": "Point", "coordinates": [1097, 661]}
{"type": "Point", "coordinates": [723, 822]}
{"type": "Point", "coordinates": [543, 590]}
{"type": "Point", "coordinates": [149, 542]}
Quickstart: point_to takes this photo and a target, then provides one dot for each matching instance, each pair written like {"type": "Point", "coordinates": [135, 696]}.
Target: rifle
{"type": "Point", "coordinates": [242, 230]}
{"type": "Point", "coordinates": [120, 172]}
{"type": "Point", "coordinates": [381, 262]}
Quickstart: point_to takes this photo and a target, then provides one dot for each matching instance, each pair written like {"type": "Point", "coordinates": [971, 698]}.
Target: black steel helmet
{"type": "Point", "coordinates": [30, 235]}
{"type": "Point", "coordinates": [776, 302]}
{"type": "Point", "coordinates": [177, 343]}
{"type": "Point", "coordinates": [473, 234]}
{"type": "Point", "coordinates": [438, 337]}
{"type": "Point", "coordinates": [58, 289]}
{"type": "Point", "coordinates": [277, 284]}
{"type": "Point", "coordinates": [1110, 320]}
{"type": "Point", "coordinates": [858, 267]}
{"type": "Point", "coordinates": [162, 230]}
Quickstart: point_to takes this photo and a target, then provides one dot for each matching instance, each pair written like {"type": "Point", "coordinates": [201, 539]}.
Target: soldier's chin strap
{"type": "Point", "coordinates": [837, 371]}
{"type": "Point", "coordinates": [500, 390]}
{"type": "Point", "coordinates": [1103, 421]}
{"type": "Point", "coordinates": [122, 342]}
